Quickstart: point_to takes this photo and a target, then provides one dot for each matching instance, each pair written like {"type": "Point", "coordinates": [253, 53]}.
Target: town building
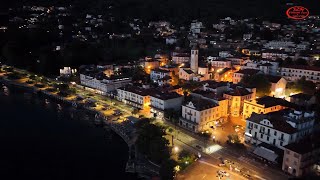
{"type": "Point", "coordinates": [278, 85]}
{"type": "Point", "coordinates": [217, 87]}
{"type": "Point", "coordinates": [225, 74]}
{"type": "Point", "coordinates": [181, 59]}
{"type": "Point", "coordinates": [196, 27]}
{"type": "Point", "coordinates": [150, 64]}
{"type": "Point", "coordinates": [279, 128]}
{"type": "Point", "coordinates": [304, 100]}
{"type": "Point", "coordinates": [296, 72]}
{"type": "Point", "coordinates": [199, 114]}
{"type": "Point", "coordinates": [67, 71]}
{"type": "Point", "coordinates": [94, 78]}
{"type": "Point", "coordinates": [301, 157]}
{"type": "Point", "coordinates": [236, 96]}
{"type": "Point", "coordinates": [264, 105]}
{"type": "Point", "coordinates": [161, 101]}
{"type": "Point", "coordinates": [220, 63]}
{"type": "Point", "coordinates": [161, 77]}
{"type": "Point", "coordinates": [186, 74]}
{"type": "Point", "coordinates": [286, 45]}
{"type": "Point", "coordinates": [274, 54]}
{"type": "Point", "coordinates": [135, 96]}
{"type": "Point", "coordinates": [267, 67]}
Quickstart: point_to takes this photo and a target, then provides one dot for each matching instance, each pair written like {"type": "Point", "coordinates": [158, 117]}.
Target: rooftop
{"type": "Point", "coordinates": [304, 147]}
{"type": "Point", "coordinates": [273, 79]}
{"type": "Point", "coordinates": [238, 91]}
{"type": "Point", "coordinates": [164, 95]}
{"type": "Point", "coordinates": [312, 68]}
{"type": "Point", "coordinates": [160, 70]}
{"type": "Point", "coordinates": [214, 84]}
{"type": "Point", "coordinates": [201, 104]}
{"type": "Point", "coordinates": [276, 119]}
{"type": "Point", "coordinates": [189, 71]}
{"type": "Point", "coordinates": [269, 101]}
{"type": "Point", "coordinates": [302, 96]}
{"type": "Point", "coordinates": [137, 90]}
{"type": "Point", "coordinates": [248, 71]}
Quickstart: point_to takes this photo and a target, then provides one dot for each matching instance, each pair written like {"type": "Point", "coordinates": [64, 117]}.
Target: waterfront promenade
{"type": "Point", "coordinates": [119, 124]}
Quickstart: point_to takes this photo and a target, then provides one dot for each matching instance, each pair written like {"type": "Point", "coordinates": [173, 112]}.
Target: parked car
{"type": "Point", "coordinates": [222, 164]}
{"type": "Point", "coordinates": [199, 147]}
{"type": "Point", "coordinates": [223, 173]}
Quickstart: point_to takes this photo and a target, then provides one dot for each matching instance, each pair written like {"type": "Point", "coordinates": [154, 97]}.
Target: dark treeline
{"type": "Point", "coordinates": [181, 11]}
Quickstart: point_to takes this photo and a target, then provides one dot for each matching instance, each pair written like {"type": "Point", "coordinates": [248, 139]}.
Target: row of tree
{"type": "Point", "coordinates": [152, 143]}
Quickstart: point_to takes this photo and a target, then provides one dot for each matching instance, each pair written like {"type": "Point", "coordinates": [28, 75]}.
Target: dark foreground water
{"type": "Point", "coordinates": [40, 139]}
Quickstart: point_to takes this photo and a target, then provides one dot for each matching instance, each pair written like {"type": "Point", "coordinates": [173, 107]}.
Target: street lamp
{"type": "Point", "coordinates": [176, 149]}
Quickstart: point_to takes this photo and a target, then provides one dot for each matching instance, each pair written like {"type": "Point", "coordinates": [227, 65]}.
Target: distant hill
{"type": "Point", "coordinates": [182, 10]}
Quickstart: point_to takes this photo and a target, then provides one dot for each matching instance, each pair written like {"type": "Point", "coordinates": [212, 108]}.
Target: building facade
{"type": "Point", "coordinates": [264, 105]}
{"type": "Point", "coordinates": [295, 72]}
{"type": "Point", "coordinates": [103, 85]}
{"type": "Point", "coordinates": [199, 114]}
{"type": "Point", "coordinates": [134, 96]}
{"type": "Point", "coordinates": [279, 128]}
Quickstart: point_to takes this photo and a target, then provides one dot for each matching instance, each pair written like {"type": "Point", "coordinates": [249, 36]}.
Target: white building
{"type": "Point", "coordinates": [279, 45]}
{"type": "Point", "coordinates": [199, 114]}
{"type": "Point", "coordinates": [180, 58]}
{"type": "Point", "coordinates": [196, 27]}
{"type": "Point", "coordinates": [67, 71]}
{"type": "Point", "coordinates": [279, 128]}
{"type": "Point", "coordinates": [267, 67]}
{"type": "Point", "coordinates": [103, 85]}
{"type": "Point", "coordinates": [186, 74]}
{"type": "Point", "coordinates": [161, 101]}
{"type": "Point", "coordinates": [134, 96]}
{"type": "Point", "coordinates": [296, 72]}
{"type": "Point", "coordinates": [225, 54]}
{"type": "Point", "coordinates": [247, 36]}
{"type": "Point", "coordinates": [274, 54]}
{"type": "Point", "coordinates": [171, 40]}
{"type": "Point", "coordinates": [159, 74]}
{"type": "Point", "coordinates": [222, 63]}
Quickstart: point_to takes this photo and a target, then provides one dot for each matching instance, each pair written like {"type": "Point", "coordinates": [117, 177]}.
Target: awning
{"type": "Point", "coordinates": [265, 153]}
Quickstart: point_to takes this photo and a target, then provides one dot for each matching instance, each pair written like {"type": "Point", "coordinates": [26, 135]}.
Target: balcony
{"type": "Point", "coordinates": [250, 127]}
{"type": "Point", "coordinates": [281, 138]}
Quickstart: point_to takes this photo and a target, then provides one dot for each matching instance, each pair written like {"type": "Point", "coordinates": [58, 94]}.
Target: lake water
{"type": "Point", "coordinates": [40, 139]}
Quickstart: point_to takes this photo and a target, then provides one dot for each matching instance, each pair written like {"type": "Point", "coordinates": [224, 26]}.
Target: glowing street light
{"type": "Point", "coordinates": [176, 149]}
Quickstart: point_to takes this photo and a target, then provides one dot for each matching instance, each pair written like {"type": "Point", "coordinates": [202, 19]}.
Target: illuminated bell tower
{"type": "Point", "coordinates": [194, 59]}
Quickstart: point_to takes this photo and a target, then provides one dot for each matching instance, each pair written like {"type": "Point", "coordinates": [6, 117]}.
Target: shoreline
{"type": "Point", "coordinates": [133, 165]}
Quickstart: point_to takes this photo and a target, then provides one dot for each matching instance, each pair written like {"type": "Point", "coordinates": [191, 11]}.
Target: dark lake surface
{"type": "Point", "coordinates": [40, 139]}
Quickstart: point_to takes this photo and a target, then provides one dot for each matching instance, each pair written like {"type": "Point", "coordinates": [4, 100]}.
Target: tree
{"type": "Point", "coordinates": [152, 143]}
{"type": "Point", "coordinates": [305, 86]}
{"type": "Point", "coordinates": [301, 61]}
{"type": "Point", "coordinates": [287, 61]}
{"type": "Point", "coordinates": [280, 61]}
{"type": "Point", "coordinates": [301, 85]}
{"type": "Point", "coordinates": [316, 63]}
{"type": "Point", "coordinates": [259, 81]}
{"type": "Point", "coordinates": [167, 171]}
{"type": "Point", "coordinates": [135, 111]}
